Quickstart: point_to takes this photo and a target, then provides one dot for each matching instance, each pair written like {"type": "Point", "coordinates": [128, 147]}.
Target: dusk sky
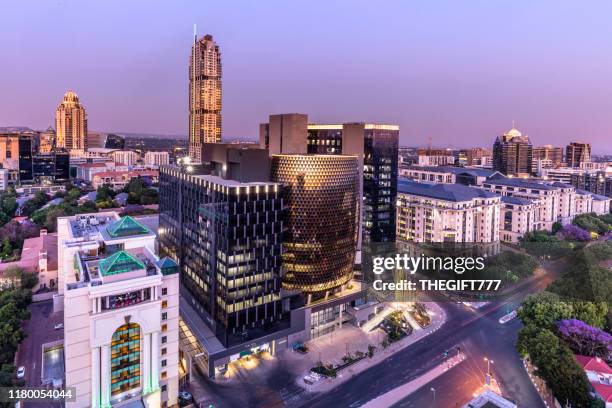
{"type": "Point", "coordinates": [456, 71]}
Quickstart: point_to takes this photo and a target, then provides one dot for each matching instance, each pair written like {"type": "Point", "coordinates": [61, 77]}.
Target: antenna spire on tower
{"type": "Point", "coordinates": [195, 33]}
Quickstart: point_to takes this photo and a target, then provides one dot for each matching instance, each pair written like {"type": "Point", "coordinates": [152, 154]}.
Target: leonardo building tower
{"type": "Point", "coordinates": [322, 220]}
{"type": "Point", "coordinates": [204, 95]}
{"type": "Point", "coordinates": [71, 123]}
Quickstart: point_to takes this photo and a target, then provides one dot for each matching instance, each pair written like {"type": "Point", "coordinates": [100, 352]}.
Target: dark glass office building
{"type": "Point", "coordinates": [25, 159]}
{"type": "Point", "coordinates": [377, 148]}
{"type": "Point", "coordinates": [227, 236]}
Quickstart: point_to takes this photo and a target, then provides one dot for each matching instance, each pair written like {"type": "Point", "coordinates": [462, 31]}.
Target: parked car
{"type": "Point", "coordinates": [21, 372]}
{"type": "Point", "coordinates": [59, 326]}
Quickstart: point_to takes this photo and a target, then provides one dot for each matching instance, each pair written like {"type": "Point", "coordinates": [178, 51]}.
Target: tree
{"type": "Point", "coordinates": [556, 227]}
{"type": "Point", "coordinates": [591, 222]}
{"type": "Point", "coordinates": [544, 309]}
{"type": "Point", "coordinates": [555, 364]}
{"type": "Point", "coordinates": [105, 193]}
{"type": "Point", "coordinates": [586, 340]}
{"type": "Point", "coordinates": [575, 233]}
{"type": "Point", "coordinates": [38, 201]}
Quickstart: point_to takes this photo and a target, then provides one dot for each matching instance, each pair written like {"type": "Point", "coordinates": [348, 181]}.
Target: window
{"type": "Point", "coordinates": [164, 388]}
{"type": "Point", "coordinates": [164, 304]}
{"type": "Point", "coordinates": [164, 375]}
{"type": "Point", "coordinates": [164, 327]}
{"type": "Point", "coordinates": [164, 291]}
{"type": "Point", "coordinates": [165, 316]}
{"type": "Point", "coordinates": [164, 351]}
{"type": "Point", "coordinates": [163, 363]}
{"type": "Point", "coordinates": [125, 358]}
{"type": "Point", "coordinates": [164, 339]}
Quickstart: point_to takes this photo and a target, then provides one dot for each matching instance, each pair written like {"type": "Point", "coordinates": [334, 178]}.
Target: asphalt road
{"type": "Point", "coordinates": [477, 332]}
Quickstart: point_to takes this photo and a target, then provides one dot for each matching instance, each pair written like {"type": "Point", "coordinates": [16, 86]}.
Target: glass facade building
{"type": "Point", "coordinates": [227, 236]}
{"type": "Point", "coordinates": [377, 147]}
{"type": "Point", "coordinates": [322, 219]}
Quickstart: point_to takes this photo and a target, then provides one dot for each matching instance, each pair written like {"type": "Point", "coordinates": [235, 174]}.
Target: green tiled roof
{"type": "Point", "coordinates": [125, 227]}
{"type": "Point", "coordinates": [119, 262]}
{"type": "Point", "coordinates": [167, 266]}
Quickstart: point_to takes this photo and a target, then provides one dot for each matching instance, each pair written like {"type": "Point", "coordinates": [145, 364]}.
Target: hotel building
{"type": "Point", "coordinates": [469, 176]}
{"type": "Point", "coordinates": [121, 318]}
{"type": "Point", "coordinates": [204, 95]}
{"type": "Point", "coordinates": [71, 123]}
{"type": "Point", "coordinates": [577, 154]}
{"type": "Point", "coordinates": [517, 218]}
{"type": "Point", "coordinates": [446, 213]}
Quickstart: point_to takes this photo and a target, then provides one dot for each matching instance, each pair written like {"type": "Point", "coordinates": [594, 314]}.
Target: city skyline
{"type": "Point", "coordinates": [432, 79]}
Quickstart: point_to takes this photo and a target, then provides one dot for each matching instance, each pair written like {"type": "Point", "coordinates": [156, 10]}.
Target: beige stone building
{"type": "Point", "coordinates": [71, 123]}
{"type": "Point", "coordinates": [204, 95]}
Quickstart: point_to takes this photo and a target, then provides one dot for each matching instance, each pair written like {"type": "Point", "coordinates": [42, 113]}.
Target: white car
{"type": "Point", "coordinates": [59, 326]}
{"type": "Point", "coordinates": [185, 396]}
{"type": "Point", "coordinates": [21, 372]}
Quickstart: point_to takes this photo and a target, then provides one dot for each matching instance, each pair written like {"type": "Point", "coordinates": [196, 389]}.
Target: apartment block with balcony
{"type": "Point", "coordinates": [446, 213]}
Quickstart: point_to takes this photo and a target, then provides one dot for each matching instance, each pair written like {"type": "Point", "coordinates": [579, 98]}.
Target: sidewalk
{"type": "Point", "coordinates": [438, 318]}
{"type": "Point", "coordinates": [397, 394]}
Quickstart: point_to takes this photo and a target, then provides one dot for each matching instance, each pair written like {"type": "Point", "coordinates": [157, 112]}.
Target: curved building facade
{"type": "Point", "coordinates": [322, 219]}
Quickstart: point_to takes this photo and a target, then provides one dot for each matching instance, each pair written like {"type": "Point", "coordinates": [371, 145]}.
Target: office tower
{"type": "Point", "coordinates": [227, 234]}
{"type": "Point", "coordinates": [25, 158]}
{"type": "Point", "coordinates": [577, 154]}
{"type": "Point", "coordinates": [121, 313]}
{"type": "Point", "coordinates": [376, 148]}
{"type": "Point", "coordinates": [512, 154]}
{"type": "Point", "coordinates": [322, 224]}
{"type": "Point", "coordinates": [47, 141]}
{"type": "Point", "coordinates": [597, 182]}
{"type": "Point", "coordinates": [71, 123]}
{"type": "Point", "coordinates": [446, 213]}
{"type": "Point", "coordinates": [548, 152]}
{"type": "Point", "coordinates": [204, 95]}
{"type": "Point", "coordinates": [53, 167]}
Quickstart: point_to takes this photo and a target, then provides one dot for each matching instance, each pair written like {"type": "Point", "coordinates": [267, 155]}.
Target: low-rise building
{"type": "Point", "coordinates": [470, 176]}
{"type": "Point", "coordinates": [120, 305]}
{"type": "Point", "coordinates": [446, 213]}
{"type": "Point", "coordinates": [119, 179]}
{"type": "Point", "coordinates": [599, 375]}
{"type": "Point", "coordinates": [152, 158]}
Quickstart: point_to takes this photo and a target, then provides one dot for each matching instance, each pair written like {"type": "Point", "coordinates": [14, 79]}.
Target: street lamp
{"type": "Point", "coordinates": [433, 390]}
{"type": "Point", "coordinates": [488, 375]}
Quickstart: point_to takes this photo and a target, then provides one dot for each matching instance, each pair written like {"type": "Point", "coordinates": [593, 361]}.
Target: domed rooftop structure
{"type": "Point", "coordinates": [514, 132]}
{"type": "Point", "coordinates": [71, 97]}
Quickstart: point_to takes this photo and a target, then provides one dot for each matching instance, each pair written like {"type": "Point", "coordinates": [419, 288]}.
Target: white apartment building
{"type": "Point", "coordinates": [448, 174]}
{"type": "Point", "coordinates": [156, 158]}
{"type": "Point", "coordinates": [601, 204]}
{"type": "Point", "coordinates": [553, 203]}
{"type": "Point", "coordinates": [4, 179]}
{"type": "Point", "coordinates": [518, 215]}
{"type": "Point", "coordinates": [121, 317]}
{"type": "Point", "coordinates": [128, 157]}
{"type": "Point", "coordinates": [446, 213]}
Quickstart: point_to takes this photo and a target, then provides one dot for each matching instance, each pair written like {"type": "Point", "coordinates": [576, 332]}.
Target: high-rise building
{"type": "Point", "coordinates": [227, 234]}
{"type": "Point", "coordinates": [577, 154]}
{"type": "Point", "coordinates": [548, 152]}
{"type": "Point", "coordinates": [71, 123]}
{"type": "Point", "coordinates": [26, 152]}
{"type": "Point", "coordinates": [512, 154]}
{"type": "Point", "coordinates": [376, 148]}
{"type": "Point", "coordinates": [53, 167]}
{"type": "Point", "coordinates": [322, 220]}
{"type": "Point", "coordinates": [475, 156]}
{"type": "Point", "coordinates": [204, 95]}
{"type": "Point", "coordinates": [9, 150]}
{"type": "Point", "coordinates": [121, 313]}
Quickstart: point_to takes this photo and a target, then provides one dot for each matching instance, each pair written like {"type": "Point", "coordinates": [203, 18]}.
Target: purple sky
{"type": "Point", "coordinates": [458, 71]}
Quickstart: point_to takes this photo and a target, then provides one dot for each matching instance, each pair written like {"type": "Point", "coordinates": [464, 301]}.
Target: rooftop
{"type": "Point", "coordinates": [447, 192]}
{"type": "Point", "coordinates": [474, 171]}
{"type": "Point", "coordinates": [521, 183]}
{"type": "Point", "coordinates": [515, 200]}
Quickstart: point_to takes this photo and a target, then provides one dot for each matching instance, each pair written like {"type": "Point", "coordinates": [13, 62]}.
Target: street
{"type": "Point", "coordinates": [477, 332]}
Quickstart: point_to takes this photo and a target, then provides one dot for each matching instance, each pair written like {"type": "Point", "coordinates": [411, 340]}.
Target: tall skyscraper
{"type": "Point", "coordinates": [204, 95]}
{"type": "Point", "coordinates": [512, 153]}
{"type": "Point", "coordinates": [71, 123]}
{"type": "Point", "coordinates": [577, 153]}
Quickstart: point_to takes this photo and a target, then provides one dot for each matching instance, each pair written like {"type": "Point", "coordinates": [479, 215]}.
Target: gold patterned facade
{"type": "Point", "coordinates": [321, 236]}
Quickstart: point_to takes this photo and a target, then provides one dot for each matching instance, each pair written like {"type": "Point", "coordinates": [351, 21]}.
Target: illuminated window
{"type": "Point", "coordinates": [125, 359]}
